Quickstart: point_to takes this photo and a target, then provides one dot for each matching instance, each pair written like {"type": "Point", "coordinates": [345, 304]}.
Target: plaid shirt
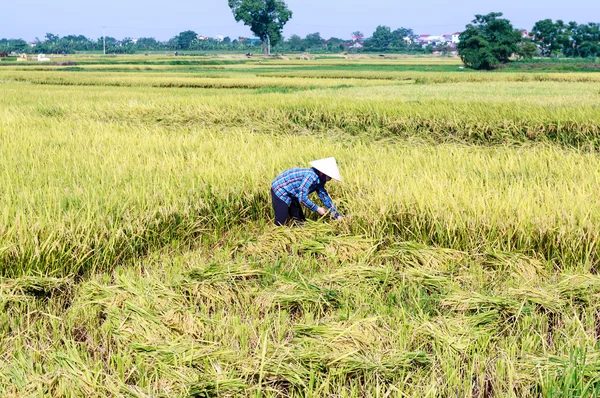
{"type": "Point", "coordinates": [299, 183]}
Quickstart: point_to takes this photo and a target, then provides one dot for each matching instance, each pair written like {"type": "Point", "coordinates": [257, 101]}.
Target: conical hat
{"type": "Point", "coordinates": [327, 166]}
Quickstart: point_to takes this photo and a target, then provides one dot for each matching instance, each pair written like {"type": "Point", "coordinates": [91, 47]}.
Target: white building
{"type": "Point", "coordinates": [445, 38]}
{"type": "Point", "coordinates": [455, 37]}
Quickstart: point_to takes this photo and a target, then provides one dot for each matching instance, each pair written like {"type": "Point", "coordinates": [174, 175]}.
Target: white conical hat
{"type": "Point", "coordinates": [327, 166]}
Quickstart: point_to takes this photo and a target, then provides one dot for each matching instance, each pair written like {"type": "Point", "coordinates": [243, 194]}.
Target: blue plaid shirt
{"type": "Point", "coordinates": [299, 183]}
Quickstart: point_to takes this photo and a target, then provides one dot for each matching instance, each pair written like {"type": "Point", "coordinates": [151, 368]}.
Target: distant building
{"type": "Point", "coordinates": [448, 39]}
{"type": "Point", "coordinates": [202, 38]}
{"type": "Point", "coordinates": [422, 39]}
{"type": "Point", "coordinates": [525, 34]}
{"type": "Point", "coordinates": [435, 40]}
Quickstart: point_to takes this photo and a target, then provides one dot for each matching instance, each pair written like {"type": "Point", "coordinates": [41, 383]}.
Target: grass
{"type": "Point", "coordinates": [138, 258]}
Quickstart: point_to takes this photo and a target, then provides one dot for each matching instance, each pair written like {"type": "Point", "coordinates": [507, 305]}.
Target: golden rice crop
{"type": "Point", "coordinates": [174, 80]}
{"type": "Point", "coordinates": [138, 257]}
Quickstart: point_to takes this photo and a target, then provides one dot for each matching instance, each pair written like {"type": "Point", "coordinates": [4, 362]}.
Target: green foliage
{"type": "Point", "coordinates": [147, 43]}
{"type": "Point", "coordinates": [185, 39]}
{"type": "Point", "coordinates": [527, 50]}
{"type": "Point", "coordinates": [9, 45]}
{"type": "Point", "coordinates": [571, 40]}
{"type": "Point", "coordinates": [265, 18]}
{"type": "Point", "coordinates": [382, 37]}
{"type": "Point", "coordinates": [584, 40]}
{"type": "Point", "coordinates": [488, 42]}
{"type": "Point", "coordinates": [295, 43]}
{"type": "Point", "coordinates": [386, 40]}
{"type": "Point", "coordinates": [314, 40]}
{"type": "Point", "coordinates": [549, 36]}
{"type": "Point", "coordinates": [51, 37]}
{"type": "Point", "coordinates": [476, 53]}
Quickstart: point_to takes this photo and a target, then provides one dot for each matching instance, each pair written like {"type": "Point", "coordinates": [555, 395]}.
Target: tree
{"type": "Point", "coordinates": [265, 18]}
{"type": "Point", "coordinates": [403, 37]}
{"type": "Point", "coordinates": [550, 36]}
{"type": "Point", "coordinates": [357, 35]}
{"type": "Point", "coordinates": [185, 39]}
{"type": "Point", "coordinates": [295, 43]}
{"type": "Point", "coordinates": [582, 40]}
{"type": "Point", "coordinates": [128, 45]}
{"type": "Point", "coordinates": [335, 44]}
{"type": "Point", "coordinates": [382, 38]}
{"type": "Point", "coordinates": [147, 43]}
{"type": "Point", "coordinates": [18, 45]}
{"type": "Point", "coordinates": [527, 50]}
{"type": "Point", "coordinates": [314, 41]}
{"type": "Point", "coordinates": [488, 41]}
{"type": "Point", "coordinates": [51, 37]}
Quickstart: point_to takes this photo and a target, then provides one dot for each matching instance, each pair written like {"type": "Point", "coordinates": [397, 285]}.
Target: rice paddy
{"type": "Point", "coordinates": [138, 256]}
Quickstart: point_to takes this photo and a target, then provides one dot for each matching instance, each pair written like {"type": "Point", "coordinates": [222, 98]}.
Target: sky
{"type": "Point", "coordinates": [31, 19]}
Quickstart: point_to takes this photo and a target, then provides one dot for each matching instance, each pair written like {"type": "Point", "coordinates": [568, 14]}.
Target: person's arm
{"type": "Point", "coordinates": [327, 202]}
{"type": "Point", "coordinates": [303, 192]}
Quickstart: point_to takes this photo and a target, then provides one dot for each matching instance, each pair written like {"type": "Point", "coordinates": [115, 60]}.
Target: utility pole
{"type": "Point", "coordinates": [104, 40]}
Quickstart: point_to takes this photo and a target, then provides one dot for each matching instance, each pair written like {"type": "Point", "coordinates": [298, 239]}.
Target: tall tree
{"type": "Point", "coordinates": [51, 37]}
{"type": "Point", "coordinates": [295, 43]}
{"type": "Point", "coordinates": [265, 18]}
{"type": "Point", "coordinates": [357, 35]}
{"type": "Point", "coordinates": [185, 39]}
{"type": "Point", "coordinates": [147, 43]}
{"type": "Point", "coordinates": [488, 41]}
{"type": "Point", "coordinates": [314, 41]}
{"type": "Point", "coordinates": [334, 44]}
{"type": "Point", "coordinates": [527, 49]}
{"type": "Point", "coordinates": [403, 37]}
{"type": "Point", "coordinates": [550, 36]}
{"type": "Point", "coordinates": [382, 38]}
{"type": "Point", "coordinates": [582, 41]}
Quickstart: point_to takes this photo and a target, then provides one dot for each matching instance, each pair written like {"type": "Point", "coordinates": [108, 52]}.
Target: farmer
{"type": "Point", "coordinates": [292, 187]}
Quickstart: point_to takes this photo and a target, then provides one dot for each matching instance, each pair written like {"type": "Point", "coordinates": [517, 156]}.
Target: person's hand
{"type": "Point", "coordinates": [339, 218]}
{"type": "Point", "coordinates": [321, 211]}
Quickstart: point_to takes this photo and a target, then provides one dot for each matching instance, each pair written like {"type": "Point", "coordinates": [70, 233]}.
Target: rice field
{"type": "Point", "coordinates": [138, 256]}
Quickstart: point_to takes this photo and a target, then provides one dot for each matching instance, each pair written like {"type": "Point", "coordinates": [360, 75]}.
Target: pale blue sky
{"type": "Point", "coordinates": [28, 19]}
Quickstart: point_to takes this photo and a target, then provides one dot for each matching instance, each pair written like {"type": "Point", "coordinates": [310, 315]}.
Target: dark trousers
{"type": "Point", "coordinates": [283, 212]}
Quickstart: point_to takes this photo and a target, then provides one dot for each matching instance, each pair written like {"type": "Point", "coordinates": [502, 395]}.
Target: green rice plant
{"type": "Point", "coordinates": [570, 377]}
{"type": "Point", "coordinates": [217, 388]}
{"type": "Point", "coordinates": [506, 307]}
{"type": "Point", "coordinates": [581, 288]}
{"type": "Point", "coordinates": [39, 287]}
{"type": "Point", "coordinates": [300, 297]}
{"type": "Point", "coordinates": [216, 272]}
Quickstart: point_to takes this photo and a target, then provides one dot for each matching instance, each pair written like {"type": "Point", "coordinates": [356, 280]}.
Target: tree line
{"type": "Point", "coordinates": [490, 41]}
{"type": "Point", "coordinates": [486, 43]}
{"type": "Point", "coordinates": [382, 40]}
